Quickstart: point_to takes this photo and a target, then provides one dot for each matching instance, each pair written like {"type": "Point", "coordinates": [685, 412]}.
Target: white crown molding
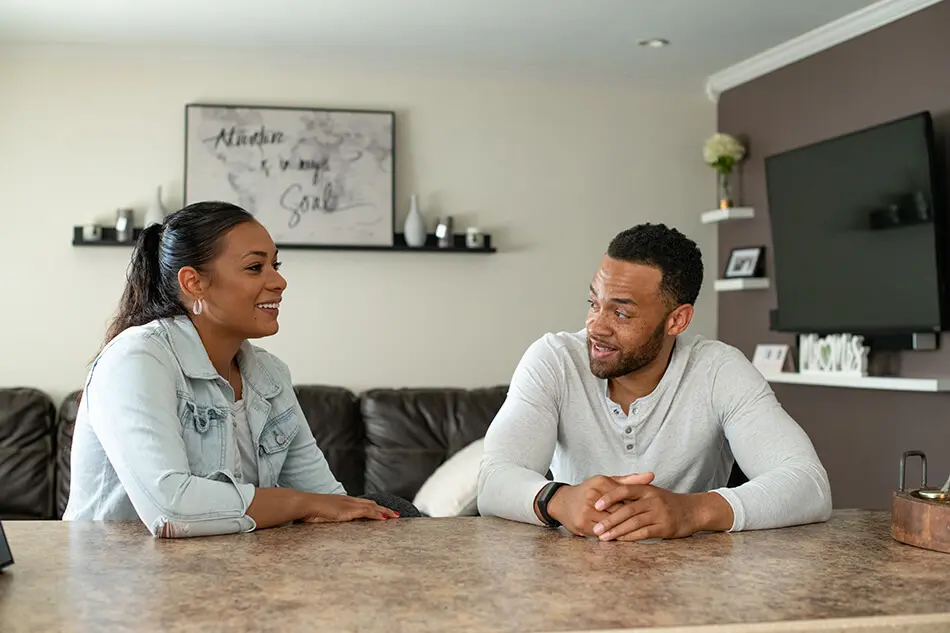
{"type": "Point", "coordinates": [841, 30]}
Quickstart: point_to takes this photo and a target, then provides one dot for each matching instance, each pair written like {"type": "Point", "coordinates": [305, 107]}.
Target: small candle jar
{"type": "Point", "coordinates": [474, 238]}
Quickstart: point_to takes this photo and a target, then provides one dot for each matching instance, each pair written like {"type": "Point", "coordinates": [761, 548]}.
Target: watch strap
{"type": "Point", "coordinates": [547, 493]}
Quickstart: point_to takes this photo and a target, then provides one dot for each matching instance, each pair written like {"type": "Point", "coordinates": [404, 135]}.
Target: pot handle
{"type": "Point", "coordinates": [923, 469]}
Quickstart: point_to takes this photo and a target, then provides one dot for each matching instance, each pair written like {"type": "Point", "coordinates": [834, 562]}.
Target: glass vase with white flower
{"type": "Point", "coordinates": [723, 152]}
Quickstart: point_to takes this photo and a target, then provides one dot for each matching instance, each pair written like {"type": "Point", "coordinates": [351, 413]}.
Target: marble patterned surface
{"type": "Point", "coordinates": [467, 574]}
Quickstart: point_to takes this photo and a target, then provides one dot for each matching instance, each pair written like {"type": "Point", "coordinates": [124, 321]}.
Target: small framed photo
{"type": "Point", "coordinates": [770, 359]}
{"type": "Point", "coordinates": [746, 262]}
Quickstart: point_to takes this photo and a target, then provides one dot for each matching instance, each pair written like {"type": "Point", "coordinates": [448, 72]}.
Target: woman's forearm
{"type": "Point", "coordinates": [275, 506]}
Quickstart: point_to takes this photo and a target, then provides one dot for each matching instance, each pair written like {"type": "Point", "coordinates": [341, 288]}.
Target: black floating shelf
{"type": "Point", "coordinates": [399, 244]}
{"type": "Point", "coordinates": [108, 238]}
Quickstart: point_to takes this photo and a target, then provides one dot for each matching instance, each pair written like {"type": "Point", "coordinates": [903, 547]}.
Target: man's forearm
{"type": "Point", "coordinates": [509, 492]}
{"type": "Point", "coordinates": [793, 494]}
{"type": "Point", "coordinates": [712, 513]}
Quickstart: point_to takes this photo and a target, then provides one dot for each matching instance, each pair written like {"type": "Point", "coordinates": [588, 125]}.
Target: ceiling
{"type": "Point", "coordinates": [585, 36]}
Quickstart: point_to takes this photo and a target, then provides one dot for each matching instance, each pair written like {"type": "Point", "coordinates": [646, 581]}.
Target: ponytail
{"type": "Point", "coordinates": [188, 237]}
{"type": "Point", "coordinates": [144, 297]}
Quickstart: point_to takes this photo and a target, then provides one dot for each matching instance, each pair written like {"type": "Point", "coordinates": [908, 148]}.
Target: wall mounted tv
{"type": "Point", "coordinates": [859, 231]}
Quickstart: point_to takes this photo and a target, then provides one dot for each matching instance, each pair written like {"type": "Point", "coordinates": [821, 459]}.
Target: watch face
{"type": "Point", "coordinates": [6, 558]}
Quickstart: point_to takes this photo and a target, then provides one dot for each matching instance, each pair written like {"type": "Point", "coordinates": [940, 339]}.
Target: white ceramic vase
{"type": "Point", "coordinates": [414, 228]}
{"type": "Point", "coordinates": [156, 212]}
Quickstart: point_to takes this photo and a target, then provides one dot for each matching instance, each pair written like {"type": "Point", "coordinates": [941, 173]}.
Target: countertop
{"type": "Point", "coordinates": [470, 574]}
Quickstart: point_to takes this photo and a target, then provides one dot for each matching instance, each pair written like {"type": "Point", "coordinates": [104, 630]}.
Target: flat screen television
{"type": "Point", "coordinates": [859, 231]}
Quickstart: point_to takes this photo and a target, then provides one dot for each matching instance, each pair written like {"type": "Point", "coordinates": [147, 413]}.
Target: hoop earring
{"type": "Point", "coordinates": [197, 307]}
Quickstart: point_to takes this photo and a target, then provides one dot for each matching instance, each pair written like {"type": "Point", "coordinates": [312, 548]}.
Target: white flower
{"type": "Point", "coordinates": [722, 146]}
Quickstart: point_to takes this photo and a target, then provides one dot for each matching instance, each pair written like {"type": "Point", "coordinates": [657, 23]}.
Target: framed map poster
{"type": "Point", "coordinates": [313, 177]}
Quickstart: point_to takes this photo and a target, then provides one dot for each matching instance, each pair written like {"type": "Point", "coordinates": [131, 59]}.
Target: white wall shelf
{"type": "Point", "coordinates": [743, 283]}
{"type": "Point", "coordinates": [887, 383]}
{"type": "Point", "coordinates": [721, 215]}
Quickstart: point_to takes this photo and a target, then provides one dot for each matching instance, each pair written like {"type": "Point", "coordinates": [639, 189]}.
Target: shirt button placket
{"type": "Point", "coordinates": [628, 432]}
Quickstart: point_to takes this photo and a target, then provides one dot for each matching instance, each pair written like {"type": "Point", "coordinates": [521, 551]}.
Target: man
{"type": "Point", "coordinates": [632, 394]}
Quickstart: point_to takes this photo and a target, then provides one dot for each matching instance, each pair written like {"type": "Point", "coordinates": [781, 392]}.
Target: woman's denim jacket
{"type": "Point", "coordinates": [153, 437]}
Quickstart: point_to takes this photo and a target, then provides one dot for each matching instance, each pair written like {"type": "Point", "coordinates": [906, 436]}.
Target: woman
{"type": "Point", "coordinates": [183, 423]}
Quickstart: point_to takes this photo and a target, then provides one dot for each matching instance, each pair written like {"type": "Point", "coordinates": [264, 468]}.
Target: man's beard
{"type": "Point", "coordinates": [628, 362]}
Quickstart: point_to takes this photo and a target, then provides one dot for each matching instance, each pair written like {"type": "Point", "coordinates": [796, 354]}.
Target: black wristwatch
{"type": "Point", "coordinates": [544, 497]}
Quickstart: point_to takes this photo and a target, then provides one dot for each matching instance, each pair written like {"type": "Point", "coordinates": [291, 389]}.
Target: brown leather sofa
{"type": "Point", "coordinates": [384, 440]}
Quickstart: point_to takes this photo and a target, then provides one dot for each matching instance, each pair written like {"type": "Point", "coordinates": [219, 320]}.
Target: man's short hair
{"type": "Point", "coordinates": [675, 255]}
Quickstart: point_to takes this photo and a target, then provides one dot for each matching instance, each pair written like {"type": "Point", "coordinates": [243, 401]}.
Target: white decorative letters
{"type": "Point", "coordinates": [837, 353]}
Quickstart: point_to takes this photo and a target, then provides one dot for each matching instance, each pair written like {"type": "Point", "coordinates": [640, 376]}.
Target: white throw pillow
{"type": "Point", "coordinates": [452, 490]}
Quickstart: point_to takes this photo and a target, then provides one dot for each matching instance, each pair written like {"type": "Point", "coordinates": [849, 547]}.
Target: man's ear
{"type": "Point", "coordinates": [679, 319]}
{"type": "Point", "coordinates": [191, 282]}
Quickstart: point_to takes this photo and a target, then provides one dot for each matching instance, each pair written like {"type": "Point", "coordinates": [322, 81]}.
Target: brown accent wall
{"type": "Point", "coordinates": [896, 70]}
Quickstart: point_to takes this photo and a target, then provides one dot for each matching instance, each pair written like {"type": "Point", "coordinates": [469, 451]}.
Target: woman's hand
{"type": "Point", "coordinates": [340, 508]}
{"type": "Point", "coordinates": [276, 506]}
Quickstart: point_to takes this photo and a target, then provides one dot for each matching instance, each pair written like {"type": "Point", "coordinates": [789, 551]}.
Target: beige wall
{"type": "Point", "coordinates": [553, 167]}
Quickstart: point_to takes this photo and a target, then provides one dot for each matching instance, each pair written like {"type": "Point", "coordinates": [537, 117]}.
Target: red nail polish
{"type": "Point", "coordinates": [396, 513]}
